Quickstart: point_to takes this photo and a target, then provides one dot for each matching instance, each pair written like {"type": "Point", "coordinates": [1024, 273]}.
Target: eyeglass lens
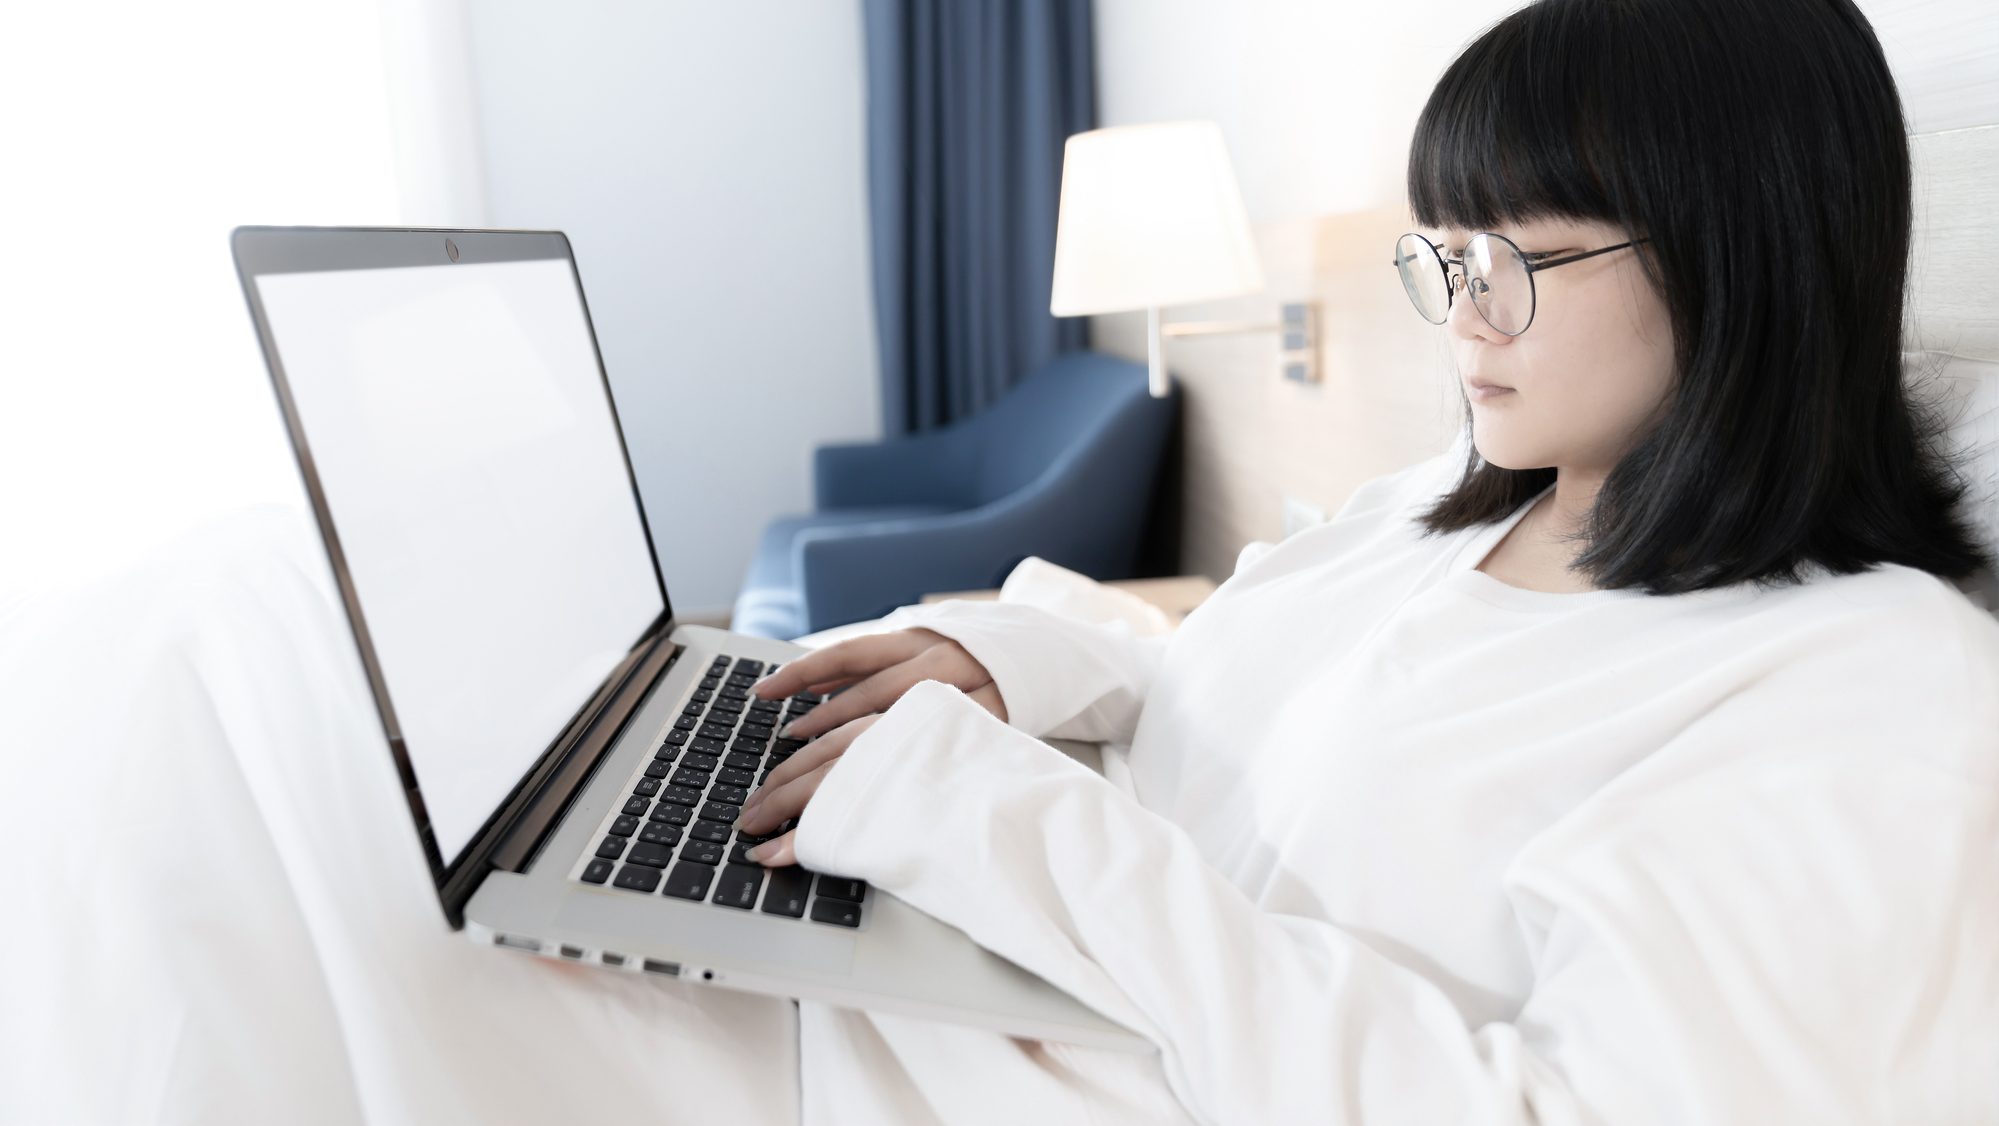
{"type": "Point", "coordinates": [1495, 275]}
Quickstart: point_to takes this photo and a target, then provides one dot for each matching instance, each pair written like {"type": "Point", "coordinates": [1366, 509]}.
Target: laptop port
{"type": "Point", "coordinates": [655, 966]}
{"type": "Point", "coordinates": [518, 943]}
{"type": "Point", "coordinates": [569, 951]}
{"type": "Point", "coordinates": [611, 959]}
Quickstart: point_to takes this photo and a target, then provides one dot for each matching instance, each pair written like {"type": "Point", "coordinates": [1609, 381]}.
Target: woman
{"type": "Point", "coordinates": [1635, 762]}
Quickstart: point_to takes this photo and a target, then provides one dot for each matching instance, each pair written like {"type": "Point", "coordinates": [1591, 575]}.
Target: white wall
{"type": "Point", "coordinates": [708, 164]}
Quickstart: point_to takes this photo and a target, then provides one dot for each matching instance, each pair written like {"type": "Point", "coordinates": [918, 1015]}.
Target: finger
{"type": "Point", "coordinates": [854, 657]}
{"type": "Point", "coordinates": [776, 853]}
{"type": "Point", "coordinates": [781, 802]}
{"type": "Point", "coordinates": [988, 697]}
{"type": "Point", "coordinates": [878, 692]}
{"type": "Point", "coordinates": [816, 753]}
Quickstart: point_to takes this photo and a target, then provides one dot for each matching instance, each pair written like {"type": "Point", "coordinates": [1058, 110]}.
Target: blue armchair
{"type": "Point", "coordinates": [1062, 466]}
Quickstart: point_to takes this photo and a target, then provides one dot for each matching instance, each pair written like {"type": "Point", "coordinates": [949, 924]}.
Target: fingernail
{"type": "Point", "coordinates": [785, 733]}
{"type": "Point", "coordinates": [757, 853]}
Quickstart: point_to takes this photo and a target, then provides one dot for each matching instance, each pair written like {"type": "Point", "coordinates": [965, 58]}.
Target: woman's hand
{"type": "Point", "coordinates": [876, 670]}
{"type": "Point", "coordinates": [791, 784]}
{"type": "Point", "coordinates": [886, 666]}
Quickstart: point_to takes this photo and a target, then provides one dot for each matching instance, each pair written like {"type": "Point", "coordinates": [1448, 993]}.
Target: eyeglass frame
{"type": "Point", "coordinates": [1527, 261]}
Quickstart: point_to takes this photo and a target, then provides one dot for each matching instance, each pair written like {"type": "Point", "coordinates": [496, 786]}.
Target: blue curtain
{"type": "Point", "coordinates": [969, 102]}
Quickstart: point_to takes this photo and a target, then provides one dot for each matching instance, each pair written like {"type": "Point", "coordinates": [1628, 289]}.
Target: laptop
{"type": "Point", "coordinates": [573, 757]}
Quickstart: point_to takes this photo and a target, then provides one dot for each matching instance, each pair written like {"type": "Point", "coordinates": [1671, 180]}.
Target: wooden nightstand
{"type": "Point", "coordinates": [1177, 595]}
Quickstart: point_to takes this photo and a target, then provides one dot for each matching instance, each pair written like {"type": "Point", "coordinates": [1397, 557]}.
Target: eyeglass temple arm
{"type": "Point", "coordinates": [1533, 266]}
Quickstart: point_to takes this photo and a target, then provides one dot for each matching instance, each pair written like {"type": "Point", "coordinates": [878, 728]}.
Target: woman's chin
{"type": "Point", "coordinates": [1503, 456]}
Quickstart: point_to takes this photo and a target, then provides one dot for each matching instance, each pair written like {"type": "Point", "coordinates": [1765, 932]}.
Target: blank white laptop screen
{"type": "Point", "coordinates": [466, 449]}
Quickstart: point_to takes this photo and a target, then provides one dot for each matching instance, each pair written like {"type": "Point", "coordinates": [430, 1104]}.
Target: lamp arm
{"type": "Point", "coordinates": [1214, 328]}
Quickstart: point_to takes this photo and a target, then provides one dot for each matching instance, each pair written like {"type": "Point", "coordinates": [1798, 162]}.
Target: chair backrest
{"type": "Point", "coordinates": [1068, 402]}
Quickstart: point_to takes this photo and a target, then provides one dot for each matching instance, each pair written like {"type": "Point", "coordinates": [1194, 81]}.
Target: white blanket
{"type": "Point", "coordinates": [215, 909]}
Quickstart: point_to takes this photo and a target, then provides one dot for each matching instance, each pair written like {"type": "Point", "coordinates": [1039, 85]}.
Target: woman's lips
{"type": "Point", "coordinates": [1480, 392]}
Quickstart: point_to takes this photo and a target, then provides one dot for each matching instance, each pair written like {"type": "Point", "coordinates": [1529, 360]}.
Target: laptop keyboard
{"type": "Point", "coordinates": [675, 833]}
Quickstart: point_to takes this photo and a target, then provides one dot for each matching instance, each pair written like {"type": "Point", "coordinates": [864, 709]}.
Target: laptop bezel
{"type": "Point", "coordinates": [524, 818]}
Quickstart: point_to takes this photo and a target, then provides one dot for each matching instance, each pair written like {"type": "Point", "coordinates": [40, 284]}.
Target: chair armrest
{"type": "Point", "coordinates": [934, 467]}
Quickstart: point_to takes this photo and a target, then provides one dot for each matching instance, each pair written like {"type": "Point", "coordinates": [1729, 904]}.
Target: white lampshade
{"type": "Point", "coordinates": [1150, 216]}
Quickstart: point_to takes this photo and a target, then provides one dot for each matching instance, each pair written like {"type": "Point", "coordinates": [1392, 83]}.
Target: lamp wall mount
{"type": "Point", "coordinates": [1297, 327]}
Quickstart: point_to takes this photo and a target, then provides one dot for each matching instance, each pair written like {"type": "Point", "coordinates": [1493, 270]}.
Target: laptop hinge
{"type": "Point", "coordinates": [544, 807]}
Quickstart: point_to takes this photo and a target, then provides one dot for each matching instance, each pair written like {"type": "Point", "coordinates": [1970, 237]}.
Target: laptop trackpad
{"type": "Point", "coordinates": [798, 943]}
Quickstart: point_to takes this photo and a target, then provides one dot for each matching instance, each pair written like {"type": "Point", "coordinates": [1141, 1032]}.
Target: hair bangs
{"type": "Point", "coordinates": [1512, 132]}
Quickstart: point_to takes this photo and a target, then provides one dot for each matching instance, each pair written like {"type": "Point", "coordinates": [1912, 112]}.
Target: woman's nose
{"type": "Point", "coordinates": [1464, 319]}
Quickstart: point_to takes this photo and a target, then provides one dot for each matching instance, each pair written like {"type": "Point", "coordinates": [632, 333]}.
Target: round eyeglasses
{"type": "Point", "coordinates": [1498, 275]}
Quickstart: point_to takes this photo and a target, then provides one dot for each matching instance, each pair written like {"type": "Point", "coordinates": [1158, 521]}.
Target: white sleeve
{"type": "Point", "coordinates": [1744, 945]}
{"type": "Point", "coordinates": [1061, 678]}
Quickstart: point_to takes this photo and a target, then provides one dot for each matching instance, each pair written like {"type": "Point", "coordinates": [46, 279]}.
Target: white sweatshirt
{"type": "Point", "coordinates": [1401, 843]}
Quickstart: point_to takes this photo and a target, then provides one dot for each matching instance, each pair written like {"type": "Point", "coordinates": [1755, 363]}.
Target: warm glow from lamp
{"type": "Point", "coordinates": [1150, 216]}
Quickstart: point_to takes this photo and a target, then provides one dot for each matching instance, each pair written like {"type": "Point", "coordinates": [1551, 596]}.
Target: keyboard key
{"type": "Point", "coordinates": [710, 683]}
{"type": "Point", "coordinates": [787, 746]}
{"type": "Point", "coordinates": [679, 795]}
{"type": "Point", "coordinates": [738, 854]}
{"type": "Point", "coordinates": [660, 833]}
{"type": "Point", "coordinates": [738, 884]}
{"type": "Point", "coordinates": [650, 855]}
{"type": "Point", "coordinates": [691, 778]}
{"type": "Point", "coordinates": [636, 806]}
{"type": "Point", "coordinates": [658, 769]}
{"type": "Point", "coordinates": [743, 760]}
{"type": "Point", "coordinates": [709, 746]}
{"type": "Point", "coordinates": [719, 811]}
{"type": "Point", "coordinates": [843, 887]}
{"type": "Point", "coordinates": [686, 723]}
{"type": "Point", "coordinates": [727, 708]}
{"type": "Point", "coordinates": [752, 838]}
{"type": "Point", "coordinates": [675, 738]}
{"type": "Point", "coordinates": [636, 877]}
{"type": "Point", "coordinates": [598, 871]}
{"type": "Point", "coordinates": [740, 681]}
{"type": "Point", "coordinates": [646, 787]}
{"type": "Point", "coordinates": [729, 776]}
{"type": "Point", "coordinates": [689, 881]}
{"type": "Point", "coordinates": [836, 911]}
{"type": "Point", "coordinates": [693, 708]}
{"type": "Point", "coordinates": [709, 831]}
{"type": "Point", "coordinates": [700, 852]}
{"type": "Point", "coordinates": [700, 761]}
{"type": "Point", "coordinates": [715, 731]}
{"type": "Point", "coordinates": [748, 747]}
{"type": "Point", "coordinates": [753, 730]}
{"type": "Point", "coordinates": [748, 667]}
{"type": "Point", "coordinates": [734, 795]}
{"type": "Point", "coordinates": [732, 692]}
{"type": "Point", "coordinates": [669, 814]}
{"type": "Point", "coordinates": [624, 826]}
{"type": "Point", "coordinates": [788, 888]}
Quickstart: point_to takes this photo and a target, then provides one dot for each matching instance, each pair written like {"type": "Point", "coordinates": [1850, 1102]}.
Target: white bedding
{"type": "Point", "coordinates": [215, 909]}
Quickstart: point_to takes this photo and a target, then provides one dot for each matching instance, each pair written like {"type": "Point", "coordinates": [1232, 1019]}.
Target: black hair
{"type": "Point", "coordinates": [1761, 147]}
